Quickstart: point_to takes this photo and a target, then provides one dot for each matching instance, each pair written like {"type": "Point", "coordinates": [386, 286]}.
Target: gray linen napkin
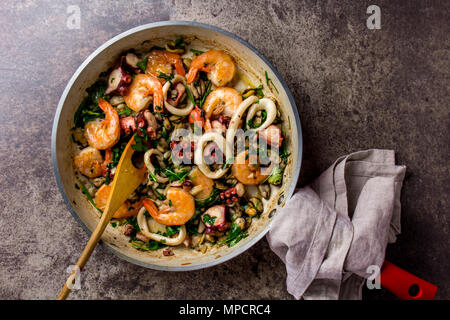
{"type": "Point", "coordinates": [330, 232]}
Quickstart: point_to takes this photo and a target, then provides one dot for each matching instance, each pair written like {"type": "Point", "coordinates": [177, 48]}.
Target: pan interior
{"type": "Point", "coordinates": [250, 63]}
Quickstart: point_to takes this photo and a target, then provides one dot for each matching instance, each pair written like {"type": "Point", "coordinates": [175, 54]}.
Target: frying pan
{"type": "Point", "coordinates": [396, 280]}
{"type": "Point", "coordinates": [253, 65]}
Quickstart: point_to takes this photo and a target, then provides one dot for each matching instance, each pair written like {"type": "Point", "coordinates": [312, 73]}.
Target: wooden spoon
{"type": "Point", "coordinates": [126, 179]}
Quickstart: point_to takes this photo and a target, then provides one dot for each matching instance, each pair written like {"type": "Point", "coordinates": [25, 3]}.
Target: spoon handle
{"type": "Point", "coordinates": [90, 246]}
{"type": "Point", "coordinates": [126, 179]}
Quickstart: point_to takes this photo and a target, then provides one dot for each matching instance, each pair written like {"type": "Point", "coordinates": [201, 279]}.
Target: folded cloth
{"type": "Point", "coordinates": [330, 232]}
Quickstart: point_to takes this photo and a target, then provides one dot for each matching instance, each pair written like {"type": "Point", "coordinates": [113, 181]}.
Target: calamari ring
{"type": "Point", "coordinates": [198, 156]}
{"type": "Point", "coordinates": [143, 225]}
{"type": "Point", "coordinates": [172, 109]}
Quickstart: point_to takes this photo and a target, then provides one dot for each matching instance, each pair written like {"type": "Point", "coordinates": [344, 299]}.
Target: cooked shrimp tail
{"type": "Point", "coordinates": [217, 64]}
{"type": "Point", "coordinates": [104, 133]}
{"type": "Point", "coordinates": [179, 209]}
{"type": "Point", "coordinates": [144, 90]}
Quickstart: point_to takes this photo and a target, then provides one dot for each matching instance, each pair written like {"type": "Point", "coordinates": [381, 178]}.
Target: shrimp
{"type": "Point", "coordinates": [160, 61]}
{"type": "Point", "coordinates": [103, 133]}
{"type": "Point", "coordinates": [179, 209]}
{"type": "Point", "coordinates": [127, 209]}
{"type": "Point", "coordinates": [219, 66]}
{"type": "Point", "coordinates": [249, 173]}
{"type": "Point", "coordinates": [143, 223]}
{"type": "Point", "coordinates": [108, 160]}
{"type": "Point", "coordinates": [222, 101]}
{"type": "Point", "coordinates": [140, 91]}
{"type": "Point", "coordinates": [89, 162]}
{"type": "Point", "coordinates": [203, 186]}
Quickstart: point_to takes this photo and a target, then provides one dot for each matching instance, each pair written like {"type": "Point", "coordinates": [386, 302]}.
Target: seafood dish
{"type": "Point", "coordinates": [212, 141]}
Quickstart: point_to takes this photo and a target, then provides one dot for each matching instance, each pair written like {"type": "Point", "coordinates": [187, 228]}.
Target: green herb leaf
{"type": "Point", "coordinates": [269, 80]}
{"type": "Point", "coordinates": [88, 195]}
{"type": "Point", "coordinates": [251, 123]}
{"type": "Point", "coordinates": [208, 219]}
{"type": "Point", "coordinates": [151, 176]}
{"type": "Point", "coordinates": [125, 111]}
{"type": "Point", "coordinates": [228, 163]}
{"type": "Point", "coordinates": [170, 231]}
{"type": "Point", "coordinates": [175, 176]}
{"type": "Point", "coordinates": [152, 245]}
{"type": "Point", "coordinates": [180, 43]}
{"type": "Point", "coordinates": [88, 110]}
{"type": "Point", "coordinates": [197, 51]}
{"type": "Point", "coordinates": [159, 195]}
{"type": "Point", "coordinates": [207, 91]}
{"type": "Point", "coordinates": [189, 94]}
{"type": "Point", "coordinates": [212, 199]}
{"type": "Point", "coordinates": [235, 235]}
{"type": "Point", "coordinates": [166, 77]}
{"type": "Point", "coordinates": [284, 154]}
{"type": "Point", "coordinates": [276, 176]}
{"type": "Point", "coordinates": [258, 91]}
{"type": "Point", "coordinates": [143, 64]}
{"type": "Point", "coordinates": [139, 145]}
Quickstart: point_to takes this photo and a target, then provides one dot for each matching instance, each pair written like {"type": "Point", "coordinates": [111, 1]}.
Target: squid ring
{"type": "Point", "coordinates": [149, 165]}
{"type": "Point", "coordinates": [198, 156]}
{"type": "Point", "coordinates": [234, 124]}
{"type": "Point", "coordinates": [264, 104]}
{"type": "Point", "coordinates": [172, 109]}
{"type": "Point", "coordinates": [143, 225]}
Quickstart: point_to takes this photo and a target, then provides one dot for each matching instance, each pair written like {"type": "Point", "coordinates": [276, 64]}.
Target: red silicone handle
{"type": "Point", "coordinates": [405, 285]}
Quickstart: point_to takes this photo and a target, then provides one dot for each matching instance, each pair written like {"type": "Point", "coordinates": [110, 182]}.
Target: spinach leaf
{"type": "Point", "coordinates": [143, 64]}
{"type": "Point", "coordinates": [88, 110]}
{"type": "Point", "coordinates": [235, 235]}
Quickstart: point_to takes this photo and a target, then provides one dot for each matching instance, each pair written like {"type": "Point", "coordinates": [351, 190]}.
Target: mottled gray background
{"type": "Point", "coordinates": [355, 88]}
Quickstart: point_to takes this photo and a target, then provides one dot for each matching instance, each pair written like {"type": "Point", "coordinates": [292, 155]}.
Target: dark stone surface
{"type": "Point", "coordinates": [355, 89]}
